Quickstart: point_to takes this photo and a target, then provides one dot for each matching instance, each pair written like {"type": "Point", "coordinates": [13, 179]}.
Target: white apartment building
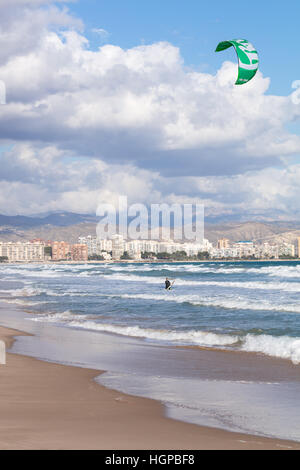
{"type": "Point", "coordinates": [106, 245]}
{"type": "Point", "coordinates": [118, 247]}
{"type": "Point", "coordinates": [135, 248]}
{"type": "Point", "coordinates": [236, 250]}
{"type": "Point", "coordinates": [247, 249]}
{"type": "Point", "coordinates": [23, 251]}
{"type": "Point", "coordinates": [267, 251]}
{"type": "Point", "coordinates": [192, 249]}
{"type": "Point", "coordinates": [95, 245]}
{"type": "Point", "coordinates": [169, 247]}
{"type": "Point", "coordinates": [286, 249]}
{"type": "Point", "coordinates": [220, 253]}
{"type": "Point", "coordinates": [150, 246]}
{"type": "Point", "coordinates": [244, 249]}
{"type": "Point", "coordinates": [143, 246]}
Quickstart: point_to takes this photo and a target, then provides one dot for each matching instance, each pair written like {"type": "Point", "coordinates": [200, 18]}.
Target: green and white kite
{"type": "Point", "coordinates": [247, 57]}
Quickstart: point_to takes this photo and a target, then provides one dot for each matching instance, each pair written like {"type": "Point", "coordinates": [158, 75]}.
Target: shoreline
{"type": "Point", "coordinates": [50, 263]}
{"type": "Point", "coordinates": [51, 406]}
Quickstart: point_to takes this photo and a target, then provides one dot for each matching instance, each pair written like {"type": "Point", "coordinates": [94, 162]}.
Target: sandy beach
{"type": "Point", "coordinates": [50, 406]}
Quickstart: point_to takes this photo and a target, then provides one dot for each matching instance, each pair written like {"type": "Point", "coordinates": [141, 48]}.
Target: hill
{"type": "Point", "coordinates": [69, 226]}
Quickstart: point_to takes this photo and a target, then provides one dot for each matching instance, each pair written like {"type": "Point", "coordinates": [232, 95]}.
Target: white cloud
{"type": "Point", "coordinates": [38, 179]}
{"type": "Point", "coordinates": [141, 106]}
{"type": "Point", "coordinates": [23, 25]}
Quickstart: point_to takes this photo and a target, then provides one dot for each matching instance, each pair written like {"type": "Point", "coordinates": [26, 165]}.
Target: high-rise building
{"type": "Point", "coordinates": [223, 244]}
{"type": "Point", "coordinates": [95, 245]}
{"type": "Point", "coordinates": [286, 249]}
{"type": "Point", "coordinates": [117, 247]}
{"type": "Point", "coordinates": [299, 247]}
{"type": "Point", "coordinates": [61, 251]}
{"type": "Point", "coordinates": [23, 251]}
{"type": "Point", "coordinates": [79, 252]}
{"type": "Point", "coordinates": [245, 248]}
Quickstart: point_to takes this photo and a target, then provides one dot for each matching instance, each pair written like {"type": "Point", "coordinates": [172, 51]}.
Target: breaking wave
{"type": "Point", "coordinates": [283, 347]}
{"type": "Point", "coordinates": [235, 302]}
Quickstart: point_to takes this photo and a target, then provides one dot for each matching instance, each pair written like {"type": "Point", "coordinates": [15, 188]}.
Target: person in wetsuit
{"type": "Point", "coordinates": [168, 284]}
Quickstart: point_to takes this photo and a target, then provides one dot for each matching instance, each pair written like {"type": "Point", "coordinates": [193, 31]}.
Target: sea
{"type": "Point", "coordinates": [222, 348]}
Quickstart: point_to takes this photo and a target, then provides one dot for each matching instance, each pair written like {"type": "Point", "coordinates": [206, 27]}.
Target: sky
{"type": "Point", "coordinates": [129, 98]}
{"type": "Point", "coordinates": [196, 27]}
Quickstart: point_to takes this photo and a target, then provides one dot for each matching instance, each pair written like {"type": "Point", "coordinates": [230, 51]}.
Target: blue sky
{"type": "Point", "coordinates": [196, 27]}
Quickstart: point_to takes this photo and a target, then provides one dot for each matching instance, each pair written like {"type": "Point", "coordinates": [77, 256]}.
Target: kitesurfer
{"type": "Point", "coordinates": [168, 284]}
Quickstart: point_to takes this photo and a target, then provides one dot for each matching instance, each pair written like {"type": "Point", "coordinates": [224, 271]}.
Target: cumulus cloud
{"type": "Point", "coordinates": [89, 124]}
{"type": "Point", "coordinates": [37, 179]}
{"type": "Point", "coordinates": [25, 23]}
{"type": "Point", "coordinates": [141, 106]}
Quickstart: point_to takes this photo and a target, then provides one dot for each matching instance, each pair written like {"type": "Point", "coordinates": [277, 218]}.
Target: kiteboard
{"type": "Point", "coordinates": [170, 288]}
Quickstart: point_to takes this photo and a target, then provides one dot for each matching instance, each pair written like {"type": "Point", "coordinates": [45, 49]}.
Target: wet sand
{"type": "Point", "coordinates": [50, 406]}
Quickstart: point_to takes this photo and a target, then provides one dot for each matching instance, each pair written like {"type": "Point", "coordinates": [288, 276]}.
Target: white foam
{"type": "Point", "coordinates": [234, 302]}
{"type": "Point", "coordinates": [284, 271]}
{"type": "Point", "coordinates": [190, 337]}
{"type": "Point", "coordinates": [25, 292]}
{"type": "Point", "coordinates": [27, 303]}
{"type": "Point", "coordinates": [283, 347]}
{"type": "Point", "coordinates": [30, 292]}
{"type": "Point", "coordinates": [66, 316]}
{"type": "Point", "coordinates": [60, 270]}
{"type": "Point", "coordinates": [261, 285]}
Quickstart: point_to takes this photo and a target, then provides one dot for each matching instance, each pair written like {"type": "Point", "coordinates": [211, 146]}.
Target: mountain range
{"type": "Point", "coordinates": [69, 226]}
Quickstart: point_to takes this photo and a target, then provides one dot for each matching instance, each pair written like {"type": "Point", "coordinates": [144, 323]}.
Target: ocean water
{"type": "Point", "coordinates": [251, 307]}
{"type": "Point", "coordinates": [245, 307]}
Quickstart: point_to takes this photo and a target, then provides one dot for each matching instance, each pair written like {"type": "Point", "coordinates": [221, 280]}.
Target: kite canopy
{"type": "Point", "coordinates": [247, 57]}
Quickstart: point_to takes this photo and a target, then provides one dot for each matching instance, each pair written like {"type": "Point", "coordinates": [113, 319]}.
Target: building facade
{"type": "Point", "coordinates": [23, 251]}
{"type": "Point", "coordinates": [61, 251]}
{"type": "Point", "coordinates": [223, 244]}
{"type": "Point", "coordinates": [118, 247]}
{"type": "Point", "coordinates": [79, 252]}
{"type": "Point", "coordinates": [95, 245]}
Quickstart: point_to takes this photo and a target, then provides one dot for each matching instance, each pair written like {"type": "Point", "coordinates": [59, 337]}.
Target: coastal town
{"type": "Point", "coordinates": [91, 248]}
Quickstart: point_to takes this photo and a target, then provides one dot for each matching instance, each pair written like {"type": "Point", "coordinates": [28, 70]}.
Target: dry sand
{"type": "Point", "coordinates": [50, 406]}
